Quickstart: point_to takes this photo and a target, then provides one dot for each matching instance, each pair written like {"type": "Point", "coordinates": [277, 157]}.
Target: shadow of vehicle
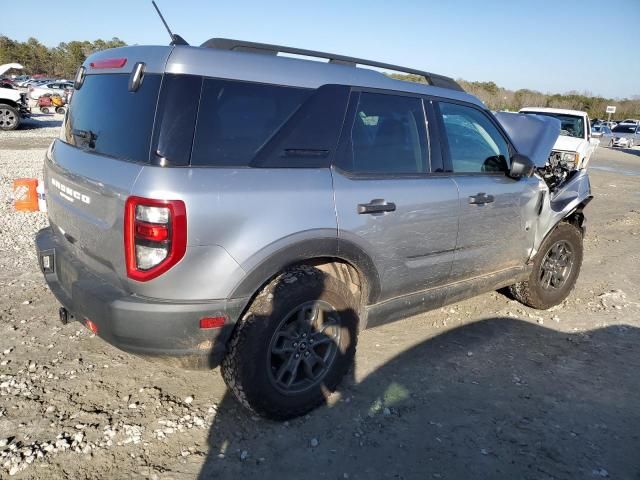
{"type": "Point", "coordinates": [41, 120]}
{"type": "Point", "coordinates": [632, 151]}
{"type": "Point", "coordinates": [499, 398]}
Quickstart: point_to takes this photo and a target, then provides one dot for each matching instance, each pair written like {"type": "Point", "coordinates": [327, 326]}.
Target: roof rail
{"type": "Point", "coordinates": [265, 48]}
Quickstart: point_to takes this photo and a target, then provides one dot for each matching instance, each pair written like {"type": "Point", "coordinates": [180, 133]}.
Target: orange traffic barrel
{"type": "Point", "coordinates": [25, 194]}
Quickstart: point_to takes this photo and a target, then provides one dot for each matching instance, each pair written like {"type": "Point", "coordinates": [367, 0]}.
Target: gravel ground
{"type": "Point", "coordinates": [485, 388]}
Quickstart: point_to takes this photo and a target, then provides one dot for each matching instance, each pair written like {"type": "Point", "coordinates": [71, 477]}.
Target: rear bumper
{"type": "Point", "coordinates": [150, 327]}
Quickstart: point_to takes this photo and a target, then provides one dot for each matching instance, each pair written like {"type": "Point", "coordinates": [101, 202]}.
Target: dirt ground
{"type": "Point", "coordinates": [485, 388]}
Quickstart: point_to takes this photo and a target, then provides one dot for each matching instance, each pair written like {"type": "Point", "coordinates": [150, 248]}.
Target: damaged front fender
{"type": "Point", "coordinates": [565, 202]}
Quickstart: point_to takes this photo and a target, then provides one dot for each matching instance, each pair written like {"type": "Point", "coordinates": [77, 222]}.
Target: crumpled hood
{"type": "Point", "coordinates": [569, 144]}
{"type": "Point", "coordinates": [532, 135]}
{"type": "Point", "coordinates": [9, 66]}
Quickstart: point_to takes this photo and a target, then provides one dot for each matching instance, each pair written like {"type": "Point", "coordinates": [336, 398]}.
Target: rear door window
{"type": "Point", "coordinates": [237, 118]}
{"type": "Point", "coordinates": [388, 136]}
{"type": "Point", "coordinates": [106, 118]}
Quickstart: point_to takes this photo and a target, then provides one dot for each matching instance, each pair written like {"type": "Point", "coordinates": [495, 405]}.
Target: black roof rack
{"type": "Point", "coordinates": [265, 48]}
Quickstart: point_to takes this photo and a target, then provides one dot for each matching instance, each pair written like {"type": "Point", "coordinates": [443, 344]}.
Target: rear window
{"type": "Point", "coordinates": [104, 117]}
{"type": "Point", "coordinates": [624, 129]}
{"type": "Point", "coordinates": [237, 118]}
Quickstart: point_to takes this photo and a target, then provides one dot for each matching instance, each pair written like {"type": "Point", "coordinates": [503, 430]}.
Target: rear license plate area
{"type": "Point", "coordinates": [67, 274]}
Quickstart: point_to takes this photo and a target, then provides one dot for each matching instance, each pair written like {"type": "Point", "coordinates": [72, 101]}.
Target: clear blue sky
{"type": "Point", "coordinates": [547, 45]}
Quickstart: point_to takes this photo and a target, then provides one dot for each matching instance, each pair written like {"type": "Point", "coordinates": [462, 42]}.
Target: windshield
{"type": "Point", "coordinates": [624, 129]}
{"type": "Point", "coordinates": [571, 125]}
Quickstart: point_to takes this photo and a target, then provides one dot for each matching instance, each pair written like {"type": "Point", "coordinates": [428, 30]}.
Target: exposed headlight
{"type": "Point", "coordinates": [566, 158]}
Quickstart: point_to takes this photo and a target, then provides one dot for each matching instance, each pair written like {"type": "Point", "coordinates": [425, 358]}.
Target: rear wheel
{"type": "Point", "coordinates": [60, 110]}
{"type": "Point", "coordinates": [294, 345]}
{"type": "Point", "coordinates": [555, 269]}
{"type": "Point", "coordinates": [9, 117]}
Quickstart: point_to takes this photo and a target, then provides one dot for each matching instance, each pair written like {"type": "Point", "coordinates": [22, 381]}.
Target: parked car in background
{"type": "Point", "coordinates": [626, 135]}
{"type": "Point", "coordinates": [35, 92]}
{"type": "Point", "coordinates": [33, 82]}
{"type": "Point", "coordinates": [630, 121]}
{"type": "Point", "coordinates": [13, 103]}
{"type": "Point", "coordinates": [603, 133]}
{"type": "Point", "coordinates": [575, 144]}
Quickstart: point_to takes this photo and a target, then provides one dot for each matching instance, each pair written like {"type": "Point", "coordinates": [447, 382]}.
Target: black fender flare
{"type": "Point", "coordinates": [306, 250]}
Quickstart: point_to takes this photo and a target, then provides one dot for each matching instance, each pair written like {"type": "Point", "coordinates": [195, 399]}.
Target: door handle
{"type": "Point", "coordinates": [480, 199]}
{"type": "Point", "coordinates": [377, 205]}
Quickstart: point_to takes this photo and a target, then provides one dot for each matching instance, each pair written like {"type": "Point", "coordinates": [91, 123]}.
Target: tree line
{"type": "Point", "coordinates": [60, 62]}
{"type": "Point", "coordinates": [63, 61]}
{"type": "Point", "coordinates": [498, 98]}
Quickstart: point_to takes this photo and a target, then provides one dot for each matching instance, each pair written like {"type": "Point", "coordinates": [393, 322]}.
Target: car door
{"type": "Point", "coordinates": [387, 201]}
{"type": "Point", "coordinates": [495, 229]}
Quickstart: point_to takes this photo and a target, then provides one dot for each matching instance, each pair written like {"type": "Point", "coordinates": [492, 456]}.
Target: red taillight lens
{"type": "Point", "coordinates": [149, 231]}
{"type": "Point", "coordinates": [109, 63]}
{"type": "Point", "coordinates": [91, 326]}
{"type": "Point", "coordinates": [212, 322]}
{"type": "Point", "coordinates": [155, 236]}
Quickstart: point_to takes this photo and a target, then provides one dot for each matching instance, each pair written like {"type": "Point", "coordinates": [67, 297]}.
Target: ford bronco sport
{"type": "Point", "coordinates": [227, 205]}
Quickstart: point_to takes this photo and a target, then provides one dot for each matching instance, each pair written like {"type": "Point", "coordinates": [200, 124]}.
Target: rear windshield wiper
{"type": "Point", "coordinates": [88, 137]}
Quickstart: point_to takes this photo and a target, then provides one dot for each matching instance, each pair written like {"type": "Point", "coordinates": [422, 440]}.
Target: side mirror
{"type": "Point", "coordinates": [521, 166]}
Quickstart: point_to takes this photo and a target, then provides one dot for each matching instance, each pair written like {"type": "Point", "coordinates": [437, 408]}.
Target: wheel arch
{"type": "Point", "coordinates": [340, 258]}
{"type": "Point", "coordinates": [11, 103]}
{"type": "Point", "coordinates": [574, 217]}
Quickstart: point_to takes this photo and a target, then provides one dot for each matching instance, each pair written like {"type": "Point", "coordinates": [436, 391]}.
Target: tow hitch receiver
{"type": "Point", "coordinates": [65, 316]}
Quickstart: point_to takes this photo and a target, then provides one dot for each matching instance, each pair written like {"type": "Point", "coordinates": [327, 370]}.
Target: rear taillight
{"type": "Point", "coordinates": [155, 236]}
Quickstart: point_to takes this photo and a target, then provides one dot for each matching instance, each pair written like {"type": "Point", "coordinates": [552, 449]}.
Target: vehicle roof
{"type": "Point", "coordinates": [554, 110]}
{"type": "Point", "coordinates": [265, 68]}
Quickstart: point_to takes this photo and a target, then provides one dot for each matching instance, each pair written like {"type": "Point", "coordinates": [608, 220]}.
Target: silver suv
{"type": "Point", "coordinates": [228, 205]}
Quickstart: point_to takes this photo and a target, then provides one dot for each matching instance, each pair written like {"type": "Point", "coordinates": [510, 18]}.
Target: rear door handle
{"type": "Point", "coordinates": [480, 199]}
{"type": "Point", "coordinates": [377, 205]}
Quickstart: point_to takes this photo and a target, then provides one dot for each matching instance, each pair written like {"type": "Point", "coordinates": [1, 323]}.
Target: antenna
{"type": "Point", "coordinates": [175, 38]}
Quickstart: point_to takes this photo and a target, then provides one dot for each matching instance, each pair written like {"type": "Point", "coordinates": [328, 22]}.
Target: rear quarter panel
{"type": "Point", "coordinates": [236, 219]}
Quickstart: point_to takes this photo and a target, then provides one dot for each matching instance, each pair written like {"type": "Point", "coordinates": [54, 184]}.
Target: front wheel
{"type": "Point", "coordinates": [555, 269]}
{"type": "Point", "coordinates": [294, 345]}
{"type": "Point", "coordinates": [9, 117]}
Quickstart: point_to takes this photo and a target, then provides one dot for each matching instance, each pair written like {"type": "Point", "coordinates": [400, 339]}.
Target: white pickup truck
{"type": "Point", "coordinates": [575, 144]}
{"type": "Point", "coordinates": [13, 103]}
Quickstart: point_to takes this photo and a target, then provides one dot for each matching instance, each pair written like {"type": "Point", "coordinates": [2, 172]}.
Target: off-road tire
{"type": "Point", "coordinates": [531, 292]}
{"type": "Point", "coordinates": [60, 110]}
{"type": "Point", "coordinates": [17, 119]}
{"type": "Point", "coordinates": [245, 367]}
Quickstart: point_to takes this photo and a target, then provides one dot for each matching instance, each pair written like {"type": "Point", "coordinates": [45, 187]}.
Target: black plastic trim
{"type": "Point", "coordinates": [304, 250]}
